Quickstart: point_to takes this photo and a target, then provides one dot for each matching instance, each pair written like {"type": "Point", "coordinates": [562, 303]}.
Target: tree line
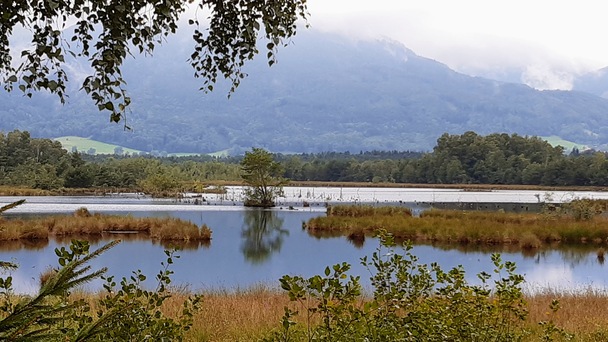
{"type": "Point", "coordinates": [467, 158]}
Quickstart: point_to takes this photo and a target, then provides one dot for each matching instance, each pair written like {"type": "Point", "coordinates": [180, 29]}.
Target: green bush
{"type": "Point", "coordinates": [410, 302]}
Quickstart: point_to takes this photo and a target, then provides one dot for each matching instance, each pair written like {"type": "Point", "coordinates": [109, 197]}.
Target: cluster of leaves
{"type": "Point", "coordinates": [410, 302]}
{"type": "Point", "coordinates": [127, 313]}
{"type": "Point", "coordinates": [105, 33]}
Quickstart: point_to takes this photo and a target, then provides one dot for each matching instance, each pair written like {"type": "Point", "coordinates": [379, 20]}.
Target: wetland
{"type": "Point", "coordinates": [249, 247]}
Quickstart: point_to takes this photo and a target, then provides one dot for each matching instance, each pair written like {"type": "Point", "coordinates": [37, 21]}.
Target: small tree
{"type": "Point", "coordinates": [263, 177]}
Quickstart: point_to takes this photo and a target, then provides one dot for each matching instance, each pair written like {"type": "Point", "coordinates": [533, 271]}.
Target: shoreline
{"type": "Point", "coordinates": [17, 191]}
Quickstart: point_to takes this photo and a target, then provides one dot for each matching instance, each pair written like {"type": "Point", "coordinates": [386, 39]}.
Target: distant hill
{"type": "Point", "coordinates": [327, 93]}
{"type": "Point", "coordinates": [594, 83]}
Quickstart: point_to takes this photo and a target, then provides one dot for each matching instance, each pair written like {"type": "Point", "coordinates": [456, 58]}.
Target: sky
{"type": "Point", "coordinates": [544, 43]}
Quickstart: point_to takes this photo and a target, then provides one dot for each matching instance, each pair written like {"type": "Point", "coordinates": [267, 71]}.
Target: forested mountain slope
{"type": "Point", "coordinates": [326, 93]}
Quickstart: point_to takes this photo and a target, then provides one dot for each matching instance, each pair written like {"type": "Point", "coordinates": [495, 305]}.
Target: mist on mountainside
{"type": "Point", "coordinates": [326, 93]}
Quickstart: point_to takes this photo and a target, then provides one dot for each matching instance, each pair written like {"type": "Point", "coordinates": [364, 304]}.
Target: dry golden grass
{"type": "Point", "coordinates": [367, 210]}
{"type": "Point", "coordinates": [225, 315]}
{"type": "Point", "coordinates": [248, 315]}
{"type": "Point", "coordinates": [17, 191]}
{"type": "Point", "coordinates": [584, 314]}
{"type": "Point", "coordinates": [11, 230]}
{"type": "Point", "coordinates": [82, 223]}
{"type": "Point", "coordinates": [528, 230]}
{"type": "Point", "coordinates": [251, 314]}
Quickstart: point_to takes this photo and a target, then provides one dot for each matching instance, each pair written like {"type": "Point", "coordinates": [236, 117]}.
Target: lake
{"type": "Point", "coordinates": [249, 246]}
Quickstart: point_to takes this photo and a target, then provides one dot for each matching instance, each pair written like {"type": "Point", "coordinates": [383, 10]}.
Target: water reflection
{"type": "Point", "coordinates": [29, 245]}
{"type": "Point", "coordinates": [41, 244]}
{"type": "Point", "coordinates": [357, 239]}
{"type": "Point", "coordinates": [262, 234]}
{"type": "Point", "coordinates": [255, 246]}
{"type": "Point", "coordinates": [572, 254]}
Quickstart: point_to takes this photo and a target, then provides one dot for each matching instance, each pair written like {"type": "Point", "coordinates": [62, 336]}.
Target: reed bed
{"type": "Point", "coordinates": [18, 191]}
{"type": "Point", "coordinates": [242, 315]}
{"type": "Point", "coordinates": [251, 314]}
{"type": "Point", "coordinates": [82, 223]}
{"type": "Point", "coordinates": [367, 210]}
{"type": "Point", "coordinates": [583, 313]}
{"type": "Point", "coordinates": [527, 230]}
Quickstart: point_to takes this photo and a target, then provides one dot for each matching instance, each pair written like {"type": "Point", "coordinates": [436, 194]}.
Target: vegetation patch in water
{"type": "Point", "coordinates": [578, 222]}
{"type": "Point", "coordinates": [83, 223]}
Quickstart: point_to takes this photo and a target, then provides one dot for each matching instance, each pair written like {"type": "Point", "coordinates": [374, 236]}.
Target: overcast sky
{"type": "Point", "coordinates": [549, 41]}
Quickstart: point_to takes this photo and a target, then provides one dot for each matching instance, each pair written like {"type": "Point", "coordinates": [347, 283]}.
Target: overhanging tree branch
{"type": "Point", "coordinates": [104, 32]}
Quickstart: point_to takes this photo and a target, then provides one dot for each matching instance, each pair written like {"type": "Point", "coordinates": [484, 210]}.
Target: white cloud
{"type": "Point", "coordinates": [480, 36]}
{"type": "Point", "coordinates": [544, 77]}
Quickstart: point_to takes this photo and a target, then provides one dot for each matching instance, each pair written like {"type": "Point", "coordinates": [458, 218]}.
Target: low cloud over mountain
{"type": "Point", "coordinates": [326, 93]}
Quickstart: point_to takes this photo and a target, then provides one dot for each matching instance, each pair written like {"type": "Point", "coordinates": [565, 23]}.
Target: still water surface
{"type": "Point", "coordinates": [255, 246]}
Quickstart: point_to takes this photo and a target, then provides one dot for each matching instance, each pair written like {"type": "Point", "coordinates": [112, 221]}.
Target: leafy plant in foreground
{"type": "Point", "coordinates": [410, 302]}
{"type": "Point", "coordinates": [136, 313]}
{"type": "Point", "coordinates": [129, 314]}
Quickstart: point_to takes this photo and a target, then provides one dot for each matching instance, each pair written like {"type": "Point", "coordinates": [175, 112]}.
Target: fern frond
{"type": "Point", "coordinates": [31, 318]}
{"type": "Point", "coordinates": [71, 276]}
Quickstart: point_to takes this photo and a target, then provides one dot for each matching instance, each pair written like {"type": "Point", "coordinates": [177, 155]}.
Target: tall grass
{"type": "Point", "coordinates": [6, 190]}
{"type": "Point", "coordinates": [82, 223]}
{"type": "Point", "coordinates": [367, 210]}
{"type": "Point", "coordinates": [251, 314]}
{"type": "Point", "coordinates": [528, 230]}
{"type": "Point", "coordinates": [582, 313]}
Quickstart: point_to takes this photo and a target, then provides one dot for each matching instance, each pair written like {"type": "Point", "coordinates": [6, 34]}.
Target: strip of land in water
{"type": "Point", "coordinates": [84, 224]}
{"type": "Point", "coordinates": [213, 188]}
{"type": "Point", "coordinates": [581, 223]}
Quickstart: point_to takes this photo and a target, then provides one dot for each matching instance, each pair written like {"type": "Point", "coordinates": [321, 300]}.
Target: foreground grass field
{"type": "Point", "coordinates": [250, 315]}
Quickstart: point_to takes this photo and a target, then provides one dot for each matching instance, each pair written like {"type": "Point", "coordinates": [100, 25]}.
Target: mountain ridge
{"type": "Point", "coordinates": [326, 93]}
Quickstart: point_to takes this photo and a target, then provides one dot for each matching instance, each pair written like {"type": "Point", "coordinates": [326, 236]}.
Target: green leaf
{"type": "Point", "coordinates": [52, 85]}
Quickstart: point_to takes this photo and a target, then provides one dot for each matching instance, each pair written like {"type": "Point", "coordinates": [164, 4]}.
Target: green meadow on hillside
{"type": "Point", "coordinates": [567, 145]}
{"type": "Point", "coordinates": [83, 145]}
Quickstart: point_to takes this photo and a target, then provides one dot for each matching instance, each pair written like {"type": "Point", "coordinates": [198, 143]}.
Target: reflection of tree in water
{"type": "Point", "coordinates": [263, 235]}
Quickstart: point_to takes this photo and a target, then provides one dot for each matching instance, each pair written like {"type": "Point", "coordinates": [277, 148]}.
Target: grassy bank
{"type": "Point", "coordinates": [251, 314]}
{"type": "Point", "coordinates": [84, 224]}
{"type": "Point", "coordinates": [526, 230]}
